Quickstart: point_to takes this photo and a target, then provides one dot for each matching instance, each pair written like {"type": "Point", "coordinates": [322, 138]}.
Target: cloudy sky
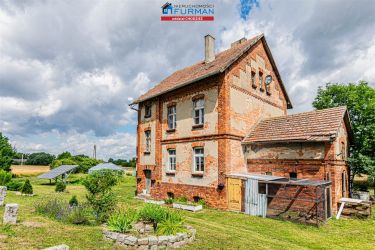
{"type": "Point", "coordinates": [69, 69]}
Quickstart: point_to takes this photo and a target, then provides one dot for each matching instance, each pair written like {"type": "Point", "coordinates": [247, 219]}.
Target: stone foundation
{"type": "Point", "coordinates": [152, 242]}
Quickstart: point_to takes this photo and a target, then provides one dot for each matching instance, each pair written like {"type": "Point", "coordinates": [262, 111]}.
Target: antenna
{"type": "Point", "coordinates": [94, 152]}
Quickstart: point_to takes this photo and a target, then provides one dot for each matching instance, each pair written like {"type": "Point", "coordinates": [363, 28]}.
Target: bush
{"type": "Point", "coordinates": [169, 201]}
{"type": "Point", "coordinates": [152, 213]}
{"type": "Point", "coordinates": [122, 221]}
{"type": "Point", "coordinates": [78, 215]}
{"type": "Point", "coordinates": [60, 186]}
{"type": "Point", "coordinates": [5, 177]}
{"type": "Point", "coordinates": [73, 201]}
{"type": "Point", "coordinates": [171, 224]}
{"type": "Point", "coordinates": [99, 185]}
{"type": "Point", "coordinates": [27, 188]}
{"type": "Point", "coordinates": [182, 199]}
{"type": "Point", "coordinates": [14, 185]}
{"type": "Point", "coordinates": [62, 211]}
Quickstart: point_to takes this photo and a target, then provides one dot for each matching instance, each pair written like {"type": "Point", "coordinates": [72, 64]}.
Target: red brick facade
{"type": "Point", "coordinates": [235, 117]}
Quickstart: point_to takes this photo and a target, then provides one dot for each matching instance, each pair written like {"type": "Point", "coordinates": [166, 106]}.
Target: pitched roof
{"type": "Point", "coordinates": [319, 125]}
{"type": "Point", "coordinates": [203, 70]}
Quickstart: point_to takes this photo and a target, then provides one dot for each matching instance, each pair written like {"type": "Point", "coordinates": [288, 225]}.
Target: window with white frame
{"type": "Point", "coordinates": [172, 117]}
{"type": "Point", "coordinates": [171, 160]}
{"type": "Point", "coordinates": [148, 140]}
{"type": "Point", "coordinates": [198, 160]}
{"type": "Point", "coordinates": [199, 111]}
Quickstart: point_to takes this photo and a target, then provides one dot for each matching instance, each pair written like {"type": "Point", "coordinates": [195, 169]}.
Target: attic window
{"type": "Point", "coordinates": [253, 80]}
{"type": "Point", "coordinates": [148, 110]}
{"type": "Point", "coordinates": [261, 81]}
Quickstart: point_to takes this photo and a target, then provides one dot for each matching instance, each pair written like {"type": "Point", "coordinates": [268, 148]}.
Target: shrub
{"type": "Point", "coordinates": [73, 201]}
{"type": "Point", "coordinates": [182, 199]}
{"type": "Point", "coordinates": [27, 188]}
{"type": "Point", "coordinates": [60, 186]}
{"type": "Point", "coordinates": [78, 215]}
{"type": "Point", "coordinates": [14, 185]}
{"type": "Point", "coordinates": [169, 201]}
{"type": "Point", "coordinates": [62, 211]}
{"type": "Point", "coordinates": [172, 223]}
{"type": "Point", "coordinates": [5, 177]}
{"type": "Point", "coordinates": [122, 221]}
{"type": "Point", "coordinates": [152, 213]}
{"type": "Point", "coordinates": [99, 185]}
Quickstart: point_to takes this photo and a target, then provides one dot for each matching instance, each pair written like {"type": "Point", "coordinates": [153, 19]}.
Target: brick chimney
{"type": "Point", "coordinates": [209, 48]}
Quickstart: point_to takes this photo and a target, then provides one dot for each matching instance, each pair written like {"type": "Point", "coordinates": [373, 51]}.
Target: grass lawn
{"type": "Point", "coordinates": [215, 229]}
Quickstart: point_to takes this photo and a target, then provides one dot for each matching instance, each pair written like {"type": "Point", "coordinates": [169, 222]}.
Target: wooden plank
{"type": "Point", "coordinates": [340, 210]}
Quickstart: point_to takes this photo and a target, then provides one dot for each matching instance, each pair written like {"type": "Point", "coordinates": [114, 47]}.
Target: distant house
{"type": "Point", "coordinates": [209, 130]}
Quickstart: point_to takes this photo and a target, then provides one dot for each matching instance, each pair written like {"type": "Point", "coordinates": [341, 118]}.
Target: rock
{"type": "Point", "coordinates": [121, 237]}
{"type": "Point", "coordinates": [138, 226]}
{"type": "Point", "coordinates": [152, 240]}
{"type": "Point", "coordinates": [10, 213]}
{"type": "Point", "coordinates": [154, 247]}
{"type": "Point", "coordinates": [141, 231]}
{"type": "Point", "coordinates": [142, 247]}
{"type": "Point", "coordinates": [163, 240]}
{"type": "Point", "coordinates": [131, 240]}
{"type": "Point", "coordinates": [3, 193]}
{"type": "Point", "coordinates": [173, 239]}
{"type": "Point", "coordinates": [180, 236]}
{"type": "Point", "coordinates": [143, 241]}
{"type": "Point", "coordinates": [59, 247]}
{"type": "Point", "coordinates": [184, 235]}
{"type": "Point", "coordinates": [149, 228]}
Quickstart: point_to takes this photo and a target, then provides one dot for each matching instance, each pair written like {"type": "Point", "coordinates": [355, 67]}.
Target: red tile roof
{"type": "Point", "coordinates": [319, 125]}
{"type": "Point", "coordinates": [202, 70]}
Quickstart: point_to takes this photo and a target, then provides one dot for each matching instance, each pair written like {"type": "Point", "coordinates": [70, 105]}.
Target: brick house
{"type": "Point", "coordinates": [228, 115]}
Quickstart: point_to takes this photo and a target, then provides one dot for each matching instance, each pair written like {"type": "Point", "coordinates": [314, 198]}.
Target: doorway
{"type": "Point", "coordinates": [234, 194]}
{"type": "Point", "coordinates": [148, 181]}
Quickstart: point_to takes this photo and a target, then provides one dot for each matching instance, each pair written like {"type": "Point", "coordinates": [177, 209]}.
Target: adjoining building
{"type": "Point", "coordinates": [205, 131]}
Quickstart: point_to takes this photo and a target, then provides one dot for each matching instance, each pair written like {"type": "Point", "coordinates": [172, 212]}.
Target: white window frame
{"type": "Point", "coordinates": [171, 117]}
{"type": "Point", "coordinates": [171, 166]}
{"type": "Point", "coordinates": [148, 141]}
{"type": "Point", "coordinates": [198, 112]}
{"type": "Point", "coordinates": [198, 158]}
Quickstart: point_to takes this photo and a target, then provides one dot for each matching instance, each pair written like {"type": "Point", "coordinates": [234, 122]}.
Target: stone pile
{"type": "Point", "coordinates": [357, 210]}
{"type": "Point", "coordinates": [152, 242]}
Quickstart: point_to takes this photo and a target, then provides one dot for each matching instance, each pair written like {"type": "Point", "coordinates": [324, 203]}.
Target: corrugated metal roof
{"type": "Point", "coordinates": [258, 177]}
{"type": "Point", "coordinates": [63, 169]}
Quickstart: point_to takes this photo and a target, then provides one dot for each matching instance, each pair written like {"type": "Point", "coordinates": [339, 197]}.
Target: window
{"type": "Point", "coordinates": [199, 111]}
{"type": "Point", "coordinates": [171, 160]}
{"type": "Point", "coordinates": [343, 184]}
{"type": "Point", "coordinates": [261, 81]}
{"type": "Point", "coordinates": [343, 151]}
{"type": "Point", "coordinates": [170, 195]}
{"type": "Point", "coordinates": [253, 83]}
{"type": "Point", "coordinates": [293, 175]}
{"type": "Point", "coordinates": [147, 110]}
{"type": "Point", "coordinates": [148, 141]}
{"type": "Point", "coordinates": [269, 173]}
{"type": "Point", "coordinates": [172, 117]}
{"type": "Point", "coordinates": [198, 159]}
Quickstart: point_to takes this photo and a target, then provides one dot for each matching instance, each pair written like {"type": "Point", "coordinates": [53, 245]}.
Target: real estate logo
{"type": "Point", "coordinates": [187, 12]}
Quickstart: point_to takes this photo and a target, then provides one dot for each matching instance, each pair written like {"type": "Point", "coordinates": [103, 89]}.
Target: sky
{"type": "Point", "coordinates": [69, 69]}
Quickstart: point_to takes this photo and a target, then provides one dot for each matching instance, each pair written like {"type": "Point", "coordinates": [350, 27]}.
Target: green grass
{"type": "Point", "coordinates": [215, 229]}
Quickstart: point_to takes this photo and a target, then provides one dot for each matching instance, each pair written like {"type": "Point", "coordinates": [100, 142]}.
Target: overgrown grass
{"type": "Point", "coordinates": [215, 229]}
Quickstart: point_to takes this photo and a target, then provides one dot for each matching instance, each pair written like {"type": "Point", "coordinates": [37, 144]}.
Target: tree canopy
{"type": "Point", "coordinates": [125, 163]}
{"type": "Point", "coordinates": [360, 101]}
{"type": "Point", "coordinates": [6, 153]}
{"type": "Point", "coordinates": [40, 158]}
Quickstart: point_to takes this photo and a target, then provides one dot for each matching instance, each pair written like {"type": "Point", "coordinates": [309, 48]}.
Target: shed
{"type": "Point", "coordinates": [108, 165]}
{"type": "Point", "coordinates": [304, 200]}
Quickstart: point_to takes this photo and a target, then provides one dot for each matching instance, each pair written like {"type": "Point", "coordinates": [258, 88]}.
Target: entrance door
{"type": "Point", "coordinates": [148, 181]}
{"type": "Point", "coordinates": [234, 194]}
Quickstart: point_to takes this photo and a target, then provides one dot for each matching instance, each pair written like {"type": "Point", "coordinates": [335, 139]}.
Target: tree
{"type": "Point", "coordinates": [27, 188]}
{"type": "Point", "coordinates": [360, 101]}
{"type": "Point", "coordinates": [41, 158]}
{"type": "Point", "coordinates": [100, 196]}
{"type": "Point", "coordinates": [6, 153]}
{"type": "Point", "coordinates": [64, 155]}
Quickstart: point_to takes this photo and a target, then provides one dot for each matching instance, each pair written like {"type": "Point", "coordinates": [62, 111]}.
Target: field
{"type": "Point", "coordinates": [27, 170]}
{"type": "Point", "coordinates": [215, 229]}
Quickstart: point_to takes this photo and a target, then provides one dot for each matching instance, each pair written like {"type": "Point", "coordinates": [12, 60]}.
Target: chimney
{"type": "Point", "coordinates": [242, 40]}
{"type": "Point", "coordinates": [209, 48]}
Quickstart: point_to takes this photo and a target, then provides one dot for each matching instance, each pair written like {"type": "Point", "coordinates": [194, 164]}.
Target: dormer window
{"type": "Point", "coordinates": [198, 114]}
{"type": "Point", "coordinates": [147, 110]}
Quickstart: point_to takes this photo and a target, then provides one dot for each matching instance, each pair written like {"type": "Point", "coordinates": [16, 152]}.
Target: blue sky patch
{"type": "Point", "coordinates": [247, 6]}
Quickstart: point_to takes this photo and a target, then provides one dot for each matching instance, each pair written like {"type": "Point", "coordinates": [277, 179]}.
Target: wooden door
{"type": "Point", "coordinates": [234, 194]}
